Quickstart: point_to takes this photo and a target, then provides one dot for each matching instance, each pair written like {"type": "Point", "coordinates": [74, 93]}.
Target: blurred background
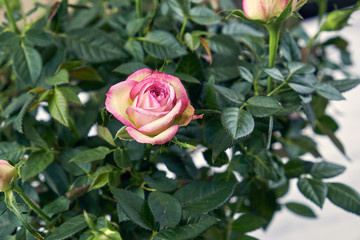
{"type": "Point", "coordinates": [332, 223]}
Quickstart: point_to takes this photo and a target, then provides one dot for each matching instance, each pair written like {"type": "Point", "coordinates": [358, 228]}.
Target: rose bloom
{"type": "Point", "coordinates": [7, 172]}
{"type": "Point", "coordinates": [265, 9]}
{"type": "Point", "coordinates": [153, 105]}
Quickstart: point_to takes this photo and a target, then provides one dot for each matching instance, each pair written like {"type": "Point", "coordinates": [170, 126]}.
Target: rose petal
{"type": "Point", "coordinates": [161, 124]}
{"type": "Point", "coordinates": [117, 101]}
{"type": "Point", "coordinates": [161, 138]}
{"type": "Point", "coordinates": [188, 115]}
{"type": "Point", "coordinates": [178, 87]}
{"type": "Point", "coordinates": [141, 117]}
{"type": "Point", "coordinates": [139, 75]}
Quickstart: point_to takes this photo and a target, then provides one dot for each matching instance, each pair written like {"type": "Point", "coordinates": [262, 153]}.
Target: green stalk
{"type": "Point", "coordinates": [10, 16]}
{"type": "Point", "coordinates": [31, 204]}
{"type": "Point", "coordinates": [231, 218]}
{"type": "Point", "coordinates": [274, 35]}
{"type": "Point", "coordinates": [10, 203]}
{"type": "Point", "coordinates": [138, 8]}
{"type": "Point", "coordinates": [153, 235]}
{"type": "Point", "coordinates": [182, 31]}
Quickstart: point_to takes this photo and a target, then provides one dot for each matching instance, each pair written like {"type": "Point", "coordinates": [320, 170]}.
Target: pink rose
{"type": "Point", "coordinates": [7, 172]}
{"type": "Point", "coordinates": [265, 9]}
{"type": "Point", "coordinates": [152, 105]}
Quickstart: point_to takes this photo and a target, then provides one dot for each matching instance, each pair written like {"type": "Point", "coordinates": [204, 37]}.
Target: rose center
{"type": "Point", "coordinates": [158, 93]}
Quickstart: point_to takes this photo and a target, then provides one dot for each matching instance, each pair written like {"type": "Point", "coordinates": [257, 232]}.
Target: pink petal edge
{"type": "Point", "coordinates": [161, 138]}
{"type": "Point", "coordinates": [119, 94]}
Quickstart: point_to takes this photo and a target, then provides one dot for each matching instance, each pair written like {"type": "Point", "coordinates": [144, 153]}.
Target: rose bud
{"type": "Point", "coordinates": [7, 172]}
{"type": "Point", "coordinates": [265, 9]}
{"type": "Point", "coordinates": [153, 105]}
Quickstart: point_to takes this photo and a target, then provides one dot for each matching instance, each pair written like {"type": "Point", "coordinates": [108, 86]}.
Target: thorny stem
{"type": "Point", "coordinates": [10, 203]}
{"type": "Point", "coordinates": [31, 204]}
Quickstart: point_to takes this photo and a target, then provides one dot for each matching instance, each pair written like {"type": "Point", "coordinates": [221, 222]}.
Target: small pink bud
{"type": "Point", "coordinates": [265, 9]}
{"type": "Point", "coordinates": [7, 172]}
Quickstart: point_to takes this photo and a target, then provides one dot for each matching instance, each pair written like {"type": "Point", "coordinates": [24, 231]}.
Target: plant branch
{"type": "Point", "coordinates": [11, 204]}
{"type": "Point", "coordinates": [9, 14]}
{"type": "Point", "coordinates": [31, 204]}
{"type": "Point", "coordinates": [231, 218]}
{"type": "Point", "coordinates": [183, 28]}
{"type": "Point", "coordinates": [274, 35]}
{"type": "Point", "coordinates": [138, 8]}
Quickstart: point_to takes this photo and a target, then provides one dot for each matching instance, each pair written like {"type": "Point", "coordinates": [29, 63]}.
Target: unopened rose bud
{"type": "Point", "coordinates": [7, 172]}
{"type": "Point", "coordinates": [265, 9]}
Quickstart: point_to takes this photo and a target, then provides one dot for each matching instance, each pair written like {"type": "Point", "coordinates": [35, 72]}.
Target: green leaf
{"type": "Point", "coordinates": [122, 158]}
{"type": "Point", "coordinates": [326, 170]}
{"type": "Point", "coordinates": [104, 133]}
{"type": "Point", "coordinates": [265, 168]}
{"type": "Point", "coordinates": [70, 95]}
{"type": "Point", "coordinates": [60, 78]}
{"type": "Point", "coordinates": [166, 208]}
{"type": "Point", "coordinates": [9, 39]}
{"type": "Point", "coordinates": [302, 85]}
{"type": "Point", "coordinates": [224, 45]}
{"type": "Point", "coordinates": [187, 78]}
{"type": "Point", "coordinates": [180, 7]}
{"type": "Point", "coordinates": [85, 73]}
{"type": "Point", "coordinates": [70, 227]}
{"type": "Point", "coordinates": [18, 122]}
{"type": "Point", "coordinates": [161, 44]}
{"type": "Point", "coordinates": [204, 16]}
{"type": "Point", "coordinates": [160, 182]}
{"type": "Point", "coordinates": [345, 85]}
{"type": "Point", "coordinates": [248, 222]}
{"type": "Point", "coordinates": [58, 108]}
{"type": "Point", "coordinates": [100, 177]}
{"type": "Point", "coordinates": [327, 91]}
{"type": "Point", "coordinates": [134, 26]}
{"type": "Point", "coordinates": [93, 45]}
{"type": "Point", "coordinates": [136, 208]}
{"type": "Point", "coordinates": [229, 94]}
{"type": "Point", "coordinates": [344, 197]}
{"type": "Point", "coordinates": [274, 73]}
{"type": "Point", "coordinates": [300, 209]}
{"type": "Point", "coordinates": [130, 67]}
{"type": "Point", "coordinates": [332, 136]}
{"type": "Point", "coordinates": [91, 155]}
{"type": "Point", "coordinates": [193, 42]}
{"type": "Point", "coordinates": [296, 167]}
{"type": "Point", "coordinates": [300, 68]}
{"type": "Point", "coordinates": [123, 134]}
{"type": "Point", "coordinates": [337, 19]}
{"type": "Point", "coordinates": [314, 189]}
{"type": "Point", "coordinates": [36, 163]}
{"type": "Point", "coordinates": [246, 74]}
{"type": "Point", "coordinates": [27, 64]}
{"type": "Point", "coordinates": [192, 229]}
{"type": "Point", "coordinates": [135, 49]}
{"type": "Point", "coordinates": [239, 123]}
{"type": "Point", "coordinates": [59, 205]}
{"type": "Point", "coordinates": [12, 151]}
{"type": "Point", "coordinates": [263, 106]}
{"type": "Point", "coordinates": [201, 197]}
{"type": "Point", "coordinates": [289, 48]}
{"type": "Point", "coordinates": [38, 37]}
